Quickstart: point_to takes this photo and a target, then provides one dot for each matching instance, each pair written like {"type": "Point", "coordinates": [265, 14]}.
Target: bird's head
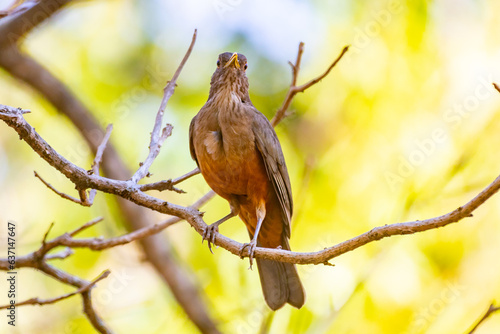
{"type": "Point", "coordinates": [230, 75]}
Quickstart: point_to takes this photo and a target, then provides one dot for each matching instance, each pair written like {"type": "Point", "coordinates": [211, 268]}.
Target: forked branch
{"type": "Point", "coordinates": [159, 135]}
{"type": "Point", "coordinates": [85, 199]}
{"type": "Point", "coordinates": [294, 89]}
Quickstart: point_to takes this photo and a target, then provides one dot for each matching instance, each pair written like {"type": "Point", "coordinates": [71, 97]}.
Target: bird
{"type": "Point", "coordinates": [240, 157]}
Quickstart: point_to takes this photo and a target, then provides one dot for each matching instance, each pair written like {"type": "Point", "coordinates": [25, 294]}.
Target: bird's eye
{"type": "Point", "coordinates": [218, 63]}
{"type": "Point", "coordinates": [245, 67]}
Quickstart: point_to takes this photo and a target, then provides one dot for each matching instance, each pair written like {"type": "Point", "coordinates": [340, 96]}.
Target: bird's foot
{"type": "Point", "coordinates": [251, 250]}
{"type": "Point", "coordinates": [209, 235]}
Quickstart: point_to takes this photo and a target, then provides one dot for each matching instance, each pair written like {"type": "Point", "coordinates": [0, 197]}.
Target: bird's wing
{"type": "Point", "coordinates": [269, 146]}
{"type": "Point", "coordinates": [191, 145]}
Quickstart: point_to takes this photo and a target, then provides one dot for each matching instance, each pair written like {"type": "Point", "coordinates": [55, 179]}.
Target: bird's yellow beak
{"type": "Point", "coordinates": [233, 59]}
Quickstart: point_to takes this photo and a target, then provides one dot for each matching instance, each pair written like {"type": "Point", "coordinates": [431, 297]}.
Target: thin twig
{"type": "Point", "coordinates": [75, 281]}
{"type": "Point", "coordinates": [85, 200]}
{"type": "Point", "coordinates": [44, 240]}
{"type": "Point", "coordinates": [186, 176]}
{"type": "Point", "coordinates": [100, 149]}
{"type": "Point", "coordinates": [97, 161]}
{"type": "Point", "coordinates": [67, 240]}
{"type": "Point", "coordinates": [86, 226]}
{"type": "Point", "coordinates": [63, 195]}
{"type": "Point", "coordinates": [161, 186]}
{"type": "Point", "coordinates": [67, 252]}
{"type": "Point", "coordinates": [38, 301]}
{"type": "Point", "coordinates": [492, 309]}
{"type": "Point", "coordinates": [169, 184]}
{"type": "Point", "coordinates": [294, 89]}
{"type": "Point", "coordinates": [92, 315]}
{"type": "Point", "coordinates": [38, 260]}
{"type": "Point", "coordinates": [100, 244]}
{"type": "Point", "coordinates": [296, 66]}
{"type": "Point", "coordinates": [303, 87]}
{"type": "Point", "coordinates": [157, 139]}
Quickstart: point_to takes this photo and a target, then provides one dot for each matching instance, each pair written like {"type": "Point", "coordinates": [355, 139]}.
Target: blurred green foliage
{"type": "Point", "coordinates": [361, 148]}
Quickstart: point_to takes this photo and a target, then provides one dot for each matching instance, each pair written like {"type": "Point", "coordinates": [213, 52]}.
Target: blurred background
{"type": "Point", "coordinates": [406, 127]}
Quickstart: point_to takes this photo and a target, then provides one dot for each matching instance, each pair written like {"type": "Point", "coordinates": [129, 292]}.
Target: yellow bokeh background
{"type": "Point", "coordinates": [406, 127]}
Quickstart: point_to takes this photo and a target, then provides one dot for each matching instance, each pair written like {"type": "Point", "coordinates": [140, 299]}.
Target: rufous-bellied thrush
{"type": "Point", "coordinates": [240, 157]}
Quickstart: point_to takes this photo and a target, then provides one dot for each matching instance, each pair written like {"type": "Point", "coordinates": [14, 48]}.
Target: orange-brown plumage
{"type": "Point", "coordinates": [240, 157]}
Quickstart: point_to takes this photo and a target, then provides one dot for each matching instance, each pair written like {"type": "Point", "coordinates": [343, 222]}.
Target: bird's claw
{"type": "Point", "coordinates": [251, 251]}
{"type": "Point", "coordinates": [209, 235]}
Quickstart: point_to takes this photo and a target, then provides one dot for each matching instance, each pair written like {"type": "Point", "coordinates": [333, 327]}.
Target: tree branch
{"type": "Point", "coordinates": [157, 139]}
{"type": "Point", "coordinates": [67, 252]}
{"type": "Point", "coordinates": [92, 315]}
{"type": "Point", "coordinates": [169, 184]}
{"type": "Point", "coordinates": [38, 301]}
{"type": "Point", "coordinates": [31, 260]}
{"type": "Point", "coordinates": [97, 162]}
{"type": "Point", "coordinates": [101, 244]}
{"type": "Point", "coordinates": [16, 120]}
{"type": "Point", "coordinates": [88, 308]}
{"type": "Point", "coordinates": [86, 226]}
{"type": "Point", "coordinates": [82, 179]}
{"type": "Point", "coordinates": [85, 200]}
{"type": "Point", "coordinates": [63, 195]}
{"type": "Point", "coordinates": [37, 260]}
{"type": "Point", "coordinates": [98, 244]}
{"type": "Point", "coordinates": [492, 309]}
{"type": "Point", "coordinates": [18, 24]}
{"type": "Point", "coordinates": [294, 89]}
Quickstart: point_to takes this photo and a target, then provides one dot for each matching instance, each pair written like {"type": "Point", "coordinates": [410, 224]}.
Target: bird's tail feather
{"type": "Point", "coordinates": [280, 282]}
